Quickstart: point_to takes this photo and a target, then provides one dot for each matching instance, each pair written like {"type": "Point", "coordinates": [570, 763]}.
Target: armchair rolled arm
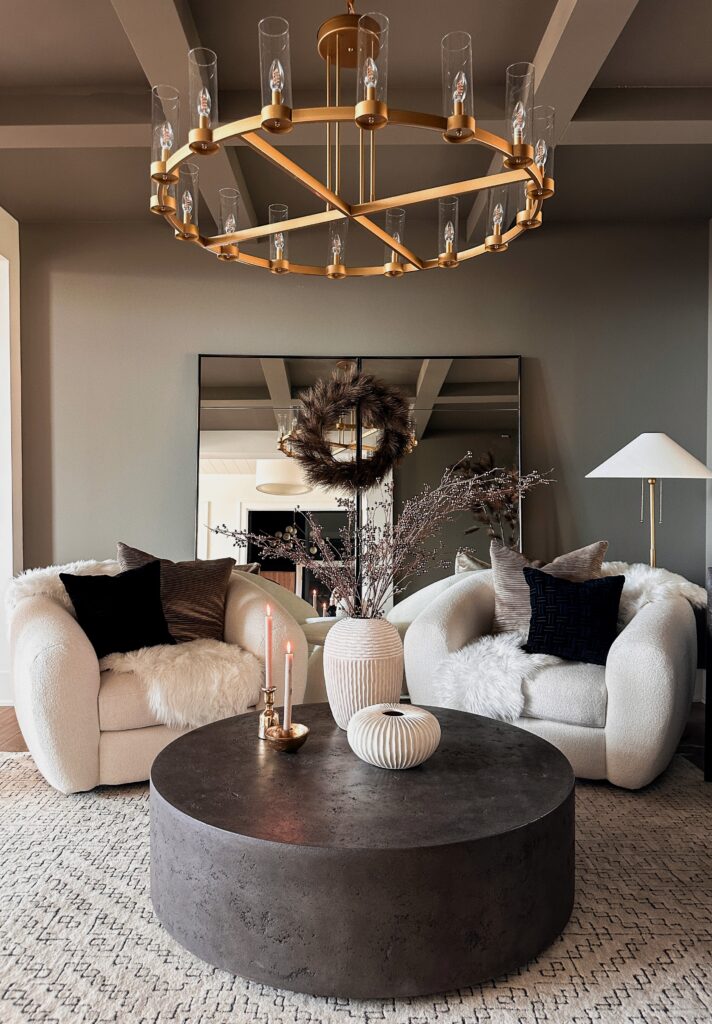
{"type": "Point", "coordinates": [245, 625]}
{"type": "Point", "coordinates": [650, 677]}
{"type": "Point", "coordinates": [458, 616]}
{"type": "Point", "coordinates": [55, 675]}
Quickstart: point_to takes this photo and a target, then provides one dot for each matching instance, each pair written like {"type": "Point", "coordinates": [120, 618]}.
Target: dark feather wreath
{"type": "Point", "coordinates": [328, 402]}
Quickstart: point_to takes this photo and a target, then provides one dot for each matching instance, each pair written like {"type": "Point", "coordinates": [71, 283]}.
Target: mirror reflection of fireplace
{"type": "Point", "coordinates": [246, 482]}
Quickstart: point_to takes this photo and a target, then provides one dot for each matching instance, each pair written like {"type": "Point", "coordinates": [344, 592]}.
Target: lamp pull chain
{"type": "Point", "coordinates": [642, 500]}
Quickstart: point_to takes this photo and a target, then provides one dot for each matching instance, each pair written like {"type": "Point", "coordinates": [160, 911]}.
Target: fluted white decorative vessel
{"type": "Point", "coordinates": [393, 735]}
{"type": "Point", "coordinates": [363, 665]}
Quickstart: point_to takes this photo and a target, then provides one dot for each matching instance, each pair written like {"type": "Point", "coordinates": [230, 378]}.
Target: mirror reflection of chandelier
{"type": "Point", "coordinates": [359, 43]}
{"type": "Point", "coordinates": [341, 438]}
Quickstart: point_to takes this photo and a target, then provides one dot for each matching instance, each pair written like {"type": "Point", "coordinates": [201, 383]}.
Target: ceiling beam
{"type": "Point", "coordinates": [161, 33]}
{"type": "Point", "coordinates": [431, 378]}
{"type": "Point", "coordinates": [278, 385]}
{"type": "Point", "coordinates": [578, 38]}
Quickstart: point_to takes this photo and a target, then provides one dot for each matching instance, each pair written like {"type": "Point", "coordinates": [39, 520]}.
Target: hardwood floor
{"type": "Point", "coordinates": [10, 735]}
{"type": "Point", "coordinates": [692, 744]}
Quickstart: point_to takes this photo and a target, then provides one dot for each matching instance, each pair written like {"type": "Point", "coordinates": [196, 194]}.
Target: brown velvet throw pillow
{"type": "Point", "coordinates": [192, 593]}
{"type": "Point", "coordinates": [512, 607]}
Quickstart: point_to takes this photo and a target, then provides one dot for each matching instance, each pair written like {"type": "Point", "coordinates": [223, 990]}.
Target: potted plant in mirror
{"type": "Point", "coordinates": [375, 560]}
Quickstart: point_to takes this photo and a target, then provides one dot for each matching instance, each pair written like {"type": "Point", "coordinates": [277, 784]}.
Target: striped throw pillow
{"type": "Point", "coordinates": [512, 608]}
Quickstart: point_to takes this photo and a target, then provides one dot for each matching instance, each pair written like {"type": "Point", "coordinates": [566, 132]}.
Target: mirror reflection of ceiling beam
{"type": "Point", "coordinates": [430, 380]}
{"type": "Point", "coordinates": [278, 385]}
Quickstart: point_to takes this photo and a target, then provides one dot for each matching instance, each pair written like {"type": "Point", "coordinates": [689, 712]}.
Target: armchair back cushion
{"type": "Point", "coordinates": [512, 608]}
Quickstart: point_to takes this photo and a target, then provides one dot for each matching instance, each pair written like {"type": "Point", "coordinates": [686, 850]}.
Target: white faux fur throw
{"type": "Point", "coordinates": [187, 685]}
{"type": "Point", "coordinates": [486, 677]}
{"type": "Point", "coordinates": [194, 683]}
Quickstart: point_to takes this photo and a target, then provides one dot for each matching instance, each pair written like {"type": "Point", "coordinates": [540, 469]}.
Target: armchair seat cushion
{"type": "Point", "coordinates": [573, 693]}
{"type": "Point", "coordinates": [123, 702]}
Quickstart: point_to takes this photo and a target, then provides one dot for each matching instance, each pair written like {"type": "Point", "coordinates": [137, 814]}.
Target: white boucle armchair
{"type": "Point", "coordinates": [621, 723]}
{"type": "Point", "coordinates": [87, 728]}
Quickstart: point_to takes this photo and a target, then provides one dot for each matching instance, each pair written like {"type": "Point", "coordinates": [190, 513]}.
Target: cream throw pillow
{"type": "Point", "coordinates": [512, 608]}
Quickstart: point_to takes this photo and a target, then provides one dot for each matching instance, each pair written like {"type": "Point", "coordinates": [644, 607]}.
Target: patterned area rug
{"type": "Point", "coordinates": [78, 941]}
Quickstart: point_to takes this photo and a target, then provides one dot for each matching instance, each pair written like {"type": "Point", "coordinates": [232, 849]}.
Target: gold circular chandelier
{"type": "Point", "coordinates": [350, 41]}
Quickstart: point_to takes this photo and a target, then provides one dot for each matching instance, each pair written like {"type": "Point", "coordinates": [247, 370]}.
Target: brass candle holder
{"type": "Point", "coordinates": [287, 740]}
{"type": "Point", "coordinates": [268, 716]}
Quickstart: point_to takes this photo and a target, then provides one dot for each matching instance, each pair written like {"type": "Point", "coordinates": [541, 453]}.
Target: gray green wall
{"type": "Point", "coordinates": [611, 322]}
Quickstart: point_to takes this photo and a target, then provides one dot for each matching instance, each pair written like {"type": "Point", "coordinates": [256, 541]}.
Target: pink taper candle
{"type": "Point", "coordinates": [288, 663]}
{"type": "Point", "coordinates": [268, 647]}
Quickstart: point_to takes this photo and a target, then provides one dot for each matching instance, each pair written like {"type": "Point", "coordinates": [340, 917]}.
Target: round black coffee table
{"type": "Point", "coordinates": [319, 873]}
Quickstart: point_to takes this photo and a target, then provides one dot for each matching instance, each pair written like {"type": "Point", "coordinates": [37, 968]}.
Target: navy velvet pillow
{"type": "Point", "coordinates": [120, 613]}
{"type": "Point", "coordinates": [575, 621]}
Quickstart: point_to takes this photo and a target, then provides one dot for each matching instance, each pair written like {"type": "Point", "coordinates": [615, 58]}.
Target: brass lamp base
{"type": "Point", "coordinates": [187, 233]}
{"type": "Point", "coordinates": [161, 175]}
{"type": "Point", "coordinates": [460, 128]}
{"type": "Point", "coordinates": [335, 271]}
{"type": "Point", "coordinates": [279, 266]}
{"type": "Point", "coordinates": [200, 140]}
{"type": "Point", "coordinates": [393, 269]}
{"type": "Point", "coordinates": [371, 114]}
{"type": "Point", "coordinates": [287, 740]}
{"type": "Point", "coordinates": [162, 204]}
{"type": "Point", "coordinates": [494, 243]}
{"type": "Point", "coordinates": [545, 192]}
{"type": "Point", "coordinates": [522, 156]}
{"type": "Point", "coordinates": [229, 253]}
{"type": "Point", "coordinates": [277, 118]}
{"type": "Point", "coordinates": [528, 219]}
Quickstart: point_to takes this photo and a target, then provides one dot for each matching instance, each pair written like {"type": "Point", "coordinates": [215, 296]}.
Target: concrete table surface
{"type": "Point", "coordinates": [319, 873]}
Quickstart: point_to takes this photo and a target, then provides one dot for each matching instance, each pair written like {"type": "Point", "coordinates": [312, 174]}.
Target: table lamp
{"type": "Point", "coordinates": [652, 457]}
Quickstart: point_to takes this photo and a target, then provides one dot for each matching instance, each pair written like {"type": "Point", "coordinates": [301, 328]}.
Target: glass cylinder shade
{"type": "Point", "coordinates": [519, 103]}
{"type": "Point", "coordinates": [498, 213]}
{"type": "Point", "coordinates": [203, 88]}
{"type": "Point", "coordinates": [163, 196]}
{"type": "Point", "coordinates": [229, 201]}
{"type": "Point", "coordinates": [275, 63]}
{"type": "Point", "coordinates": [372, 69]}
{"type": "Point", "coordinates": [278, 240]}
{"type": "Point", "coordinates": [448, 210]}
{"type": "Point", "coordinates": [543, 140]}
{"type": "Point", "coordinates": [165, 114]}
{"type": "Point", "coordinates": [336, 256]}
{"type": "Point", "coordinates": [456, 58]}
{"type": "Point", "coordinates": [395, 227]}
{"type": "Point", "coordinates": [187, 197]}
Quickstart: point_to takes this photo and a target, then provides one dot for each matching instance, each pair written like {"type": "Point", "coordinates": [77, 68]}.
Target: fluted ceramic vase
{"type": "Point", "coordinates": [393, 735]}
{"type": "Point", "coordinates": [363, 665]}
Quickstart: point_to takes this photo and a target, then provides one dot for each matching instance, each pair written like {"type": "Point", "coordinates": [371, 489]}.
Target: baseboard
{"type": "Point", "coordinates": [7, 703]}
{"type": "Point", "coordinates": [6, 700]}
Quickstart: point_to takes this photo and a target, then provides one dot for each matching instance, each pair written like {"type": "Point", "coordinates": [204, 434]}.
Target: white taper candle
{"type": "Point", "coordinates": [288, 663]}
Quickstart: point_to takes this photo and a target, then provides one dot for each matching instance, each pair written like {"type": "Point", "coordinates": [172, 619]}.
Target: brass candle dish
{"type": "Point", "coordinates": [287, 740]}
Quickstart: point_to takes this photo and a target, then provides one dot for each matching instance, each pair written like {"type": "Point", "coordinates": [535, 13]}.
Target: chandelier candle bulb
{"type": "Point", "coordinates": [229, 201]}
{"type": "Point", "coordinates": [519, 113]}
{"type": "Point", "coordinates": [448, 211]}
{"type": "Point", "coordinates": [165, 110]}
{"type": "Point", "coordinates": [202, 99]}
{"type": "Point", "coordinates": [458, 100]}
{"type": "Point", "coordinates": [497, 219]}
{"type": "Point", "coordinates": [371, 110]}
{"type": "Point", "coordinates": [187, 211]}
{"type": "Point", "coordinates": [338, 229]}
{"type": "Point", "coordinates": [275, 75]}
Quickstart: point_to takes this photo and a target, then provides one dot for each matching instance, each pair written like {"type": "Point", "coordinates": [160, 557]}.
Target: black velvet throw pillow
{"type": "Point", "coordinates": [120, 613]}
{"type": "Point", "coordinates": [575, 621]}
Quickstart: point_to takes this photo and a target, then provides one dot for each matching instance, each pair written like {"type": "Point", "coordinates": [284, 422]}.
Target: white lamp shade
{"type": "Point", "coordinates": [654, 456]}
{"type": "Point", "coordinates": [280, 476]}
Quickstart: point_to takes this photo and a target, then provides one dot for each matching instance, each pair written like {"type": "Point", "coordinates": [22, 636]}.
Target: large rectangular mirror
{"type": "Point", "coordinates": [458, 406]}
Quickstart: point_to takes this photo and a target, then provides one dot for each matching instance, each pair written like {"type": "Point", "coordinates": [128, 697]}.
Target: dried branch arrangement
{"type": "Point", "coordinates": [381, 556]}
